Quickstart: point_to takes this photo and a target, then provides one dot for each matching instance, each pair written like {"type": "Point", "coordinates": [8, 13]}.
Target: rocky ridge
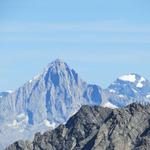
{"type": "Point", "coordinates": [97, 128]}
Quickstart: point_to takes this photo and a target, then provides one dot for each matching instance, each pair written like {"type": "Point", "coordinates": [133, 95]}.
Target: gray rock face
{"type": "Point", "coordinates": [44, 102]}
{"type": "Point", "coordinates": [97, 128]}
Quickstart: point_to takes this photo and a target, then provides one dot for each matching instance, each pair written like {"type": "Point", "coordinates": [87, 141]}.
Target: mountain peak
{"type": "Point", "coordinates": [134, 80]}
{"type": "Point", "coordinates": [132, 77]}
{"type": "Point", "coordinates": [128, 88]}
{"type": "Point", "coordinates": [57, 62]}
{"type": "Point", "coordinates": [56, 65]}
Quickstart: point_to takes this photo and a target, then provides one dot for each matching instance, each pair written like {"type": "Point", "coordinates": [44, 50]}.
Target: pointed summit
{"type": "Point", "coordinates": [58, 72]}
{"type": "Point", "coordinates": [53, 66]}
{"type": "Point", "coordinates": [49, 99]}
{"type": "Point", "coordinates": [57, 62]}
{"type": "Point", "coordinates": [57, 67]}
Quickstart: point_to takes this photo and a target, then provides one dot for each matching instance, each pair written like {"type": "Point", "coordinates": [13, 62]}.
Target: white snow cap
{"type": "Point", "coordinates": [112, 91]}
{"type": "Point", "coordinates": [133, 78]}
{"type": "Point", "coordinates": [129, 77]}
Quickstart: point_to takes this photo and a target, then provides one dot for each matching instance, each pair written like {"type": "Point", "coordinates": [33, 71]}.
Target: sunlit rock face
{"type": "Point", "coordinates": [44, 102]}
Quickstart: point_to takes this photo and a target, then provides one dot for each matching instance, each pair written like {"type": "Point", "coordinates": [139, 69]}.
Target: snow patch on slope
{"type": "Point", "coordinates": [14, 124]}
{"type": "Point", "coordinates": [34, 78]}
{"type": "Point", "coordinates": [20, 120]}
{"type": "Point", "coordinates": [121, 96]}
{"type": "Point", "coordinates": [142, 79]}
{"type": "Point", "coordinates": [22, 117]}
{"type": "Point", "coordinates": [112, 91]}
{"type": "Point", "coordinates": [139, 84]}
{"type": "Point", "coordinates": [109, 105]}
{"type": "Point", "coordinates": [30, 81]}
{"type": "Point", "coordinates": [148, 96]}
{"type": "Point", "coordinates": [48, 124]}
{"type": "Point", "coordinates": [135, 91]}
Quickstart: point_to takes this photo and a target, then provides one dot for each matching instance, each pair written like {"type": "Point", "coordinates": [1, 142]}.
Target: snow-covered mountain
{"type": "Point", "coordinates": [44, 102]}
{"type": "Point", "coordinates": [128, 89]}
{"type": "Point", "coordinates": [53, 96]}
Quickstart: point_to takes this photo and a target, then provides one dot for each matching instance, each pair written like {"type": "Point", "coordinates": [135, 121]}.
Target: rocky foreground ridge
{"type": "Point", "coordinates": [97, 128]}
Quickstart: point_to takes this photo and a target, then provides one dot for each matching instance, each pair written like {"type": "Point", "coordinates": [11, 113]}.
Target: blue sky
{"type": "Point", "coordinates": [100, 39]}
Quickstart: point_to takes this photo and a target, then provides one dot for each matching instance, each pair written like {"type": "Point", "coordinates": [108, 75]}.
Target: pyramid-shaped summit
{"type": "Point", "coordinates": [45, 101]}
{"type": "Point", "coordinates": [57, 63]}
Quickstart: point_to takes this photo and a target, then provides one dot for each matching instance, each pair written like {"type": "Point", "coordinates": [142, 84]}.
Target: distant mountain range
{"type": "Point", "coordinates": [53, 96]}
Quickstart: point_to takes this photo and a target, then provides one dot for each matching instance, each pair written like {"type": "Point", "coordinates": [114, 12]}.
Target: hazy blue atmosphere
{"type": "Point", "coordinates": [100, 39]}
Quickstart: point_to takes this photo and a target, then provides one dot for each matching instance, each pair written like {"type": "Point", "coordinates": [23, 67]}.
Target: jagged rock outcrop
{"type": "Point", "coordinates": [97, 128]}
